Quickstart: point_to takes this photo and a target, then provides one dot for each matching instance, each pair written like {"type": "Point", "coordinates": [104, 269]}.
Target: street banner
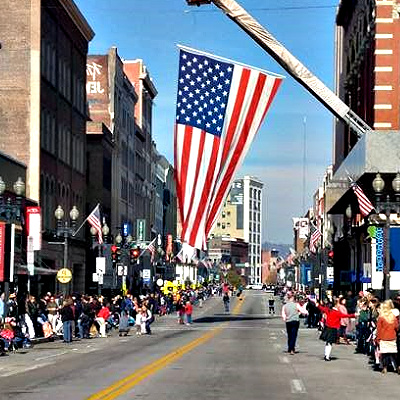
{"type": "Point", "coordinates": [34, 227]}
{"type": "Point", "coordinates": [221, 105]}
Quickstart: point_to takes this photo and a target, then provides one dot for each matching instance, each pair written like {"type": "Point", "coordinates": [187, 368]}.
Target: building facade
{"type": "Point", "coordinates": [241, 217]}
{"type": "Point", "coordinates": [43, 98]}
{"type": "Point", "coordinates": [143, 189]}
{"type": "Point", "coordinates": [112, 99]}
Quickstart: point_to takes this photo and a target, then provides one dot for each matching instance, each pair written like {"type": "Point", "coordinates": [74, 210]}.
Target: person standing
{"type": "Point", "coordinates": [387, 327]}
{"type": "Point", "coordinates": [67, 316]}
{"type": "Point", "coordinates": [225, 299]}
{"type": "Point", "coordinates": [189, 312]}
{"type": "Point", "coordinates": [332, 323]}
{"type": "Point", "coordinates": [291, 315]}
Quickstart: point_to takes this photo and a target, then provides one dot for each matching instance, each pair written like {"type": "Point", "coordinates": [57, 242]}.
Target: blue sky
{"type": "Point", "coordinates": [151, 29]}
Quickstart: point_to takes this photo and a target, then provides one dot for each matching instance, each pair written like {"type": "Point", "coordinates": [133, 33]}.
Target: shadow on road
{"type": "Point", "coordinates": [229, 317]}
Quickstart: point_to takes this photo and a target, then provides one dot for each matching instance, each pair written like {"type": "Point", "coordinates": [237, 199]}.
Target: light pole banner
{"type": "Point", "coordinates": [379, 249]}
{"type": "Point", "coordinates": [2, 248]}
{"type": "Point", "coordinates": [34, 226]}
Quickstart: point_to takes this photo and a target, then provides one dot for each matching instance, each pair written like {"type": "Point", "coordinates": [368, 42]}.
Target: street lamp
{"type": "Point", "coordinates": [100, 262]}
{"type": "Point", "coordinates": [66, 230]}
{"type": "Point", "coordinates": [10, 211]}
{"type": "Point", "coordinates": [387, 207]}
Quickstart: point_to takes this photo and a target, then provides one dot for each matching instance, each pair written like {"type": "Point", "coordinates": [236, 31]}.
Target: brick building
{"type": "Point", "coordinates": [43, 106]}
{"type": "Point", "coordinates": [367, 79]}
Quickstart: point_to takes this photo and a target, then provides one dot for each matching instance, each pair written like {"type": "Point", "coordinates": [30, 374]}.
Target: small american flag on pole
{"type": "Point", "coordinates": [152, 249]}
{"type": "Point", "coordinates": [220, 107]}
{"type": "Point", "coordinates": [315, 236]}
{"type": "Point", "coordinates": [364, 203]}
{"type": "Point", "coordinates": [94, 221]}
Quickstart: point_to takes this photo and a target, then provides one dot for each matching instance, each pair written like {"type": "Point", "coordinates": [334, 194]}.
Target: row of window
{"type": "Point", "coordinates": [52, 194]}
{"type": "Point", "coordinates": [70, 148]}
{"type": "Point", "coordinates": [60, 74]}
{"type": "Point", "coordinates": [255, 194]}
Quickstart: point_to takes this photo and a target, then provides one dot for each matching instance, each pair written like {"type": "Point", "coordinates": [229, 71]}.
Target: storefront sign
{"type": "Point", "coordinates": [64, 275]}
{"type": "Point", "coordinates": [140, 230]}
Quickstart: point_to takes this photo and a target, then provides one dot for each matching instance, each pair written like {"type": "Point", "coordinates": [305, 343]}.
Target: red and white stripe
{"type": "Point", "coordinates": [363, 202]}
{"type": "Point", "coordinates": [205, 165]}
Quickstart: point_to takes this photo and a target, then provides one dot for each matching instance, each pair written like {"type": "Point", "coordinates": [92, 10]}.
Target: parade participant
{"type": "Point", "coordinates": [226, 301]}
{"type": "Point", "coordinates": [291, 315]}
{"type": "Point", "coordinates": [332, 324]}
{"type": "Point", "coordinates": [387, 327]}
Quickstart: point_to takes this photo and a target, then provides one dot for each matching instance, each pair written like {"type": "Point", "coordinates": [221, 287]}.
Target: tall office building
{"type": "Point", "coordinates": [241, 217]}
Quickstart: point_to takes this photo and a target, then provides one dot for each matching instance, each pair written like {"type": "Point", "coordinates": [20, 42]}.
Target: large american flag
{"type": "Point", "coordinates": [315, 236]}
{"type": "Point", "coordinates": [94, 221]}
{"type": "Point", "coordinates": [364, 203]}
{"type": "Point", "coordinates": [220, 107]}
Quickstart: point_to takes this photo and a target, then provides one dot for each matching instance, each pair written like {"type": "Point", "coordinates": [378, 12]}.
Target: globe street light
{"type": "Point", "coordinates": [10, 212]}
{"type": "Point", "coordinates": [66, 229]}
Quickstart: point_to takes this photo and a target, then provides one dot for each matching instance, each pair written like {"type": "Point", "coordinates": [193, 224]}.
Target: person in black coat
{"type": "Point", "coordinates": [67, 316]}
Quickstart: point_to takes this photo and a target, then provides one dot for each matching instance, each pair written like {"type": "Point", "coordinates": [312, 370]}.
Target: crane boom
{"type": "Point", "coordinates": [290, 63]}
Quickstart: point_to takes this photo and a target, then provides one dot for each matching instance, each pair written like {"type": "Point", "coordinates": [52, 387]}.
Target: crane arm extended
{"type": "Point", "coordinates": [290, 63]}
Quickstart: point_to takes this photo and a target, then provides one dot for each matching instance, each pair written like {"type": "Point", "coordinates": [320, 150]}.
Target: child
{"type": "Point", "coordinates": [188, 311]}
{"type": "Point", "coordinates": [140, 322]}
{"type": "Point", "coordinates": [7, 335]}
{"type": "Point", "coordinates": [271, 304]}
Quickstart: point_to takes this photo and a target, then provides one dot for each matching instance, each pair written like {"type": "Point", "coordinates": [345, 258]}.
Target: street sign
{"type": "Point", "coordinates": [160, 282]}
{"type": "Point", "coordinates": [100, 265]}
{"type": "Point", "coordinates": [140, 230]}
{"type": "Point", "coordinates": [64, 275]}
{"type": "Point", "coordinates": [95, 277]}
{"type": "Point", "coordinates": [122, 270]}
{"type": "Point", "coordinates": [146, 274]}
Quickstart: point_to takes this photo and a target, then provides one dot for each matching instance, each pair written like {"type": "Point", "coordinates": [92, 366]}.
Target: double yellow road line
{"type": "Point", "coordinates": [124, 385]}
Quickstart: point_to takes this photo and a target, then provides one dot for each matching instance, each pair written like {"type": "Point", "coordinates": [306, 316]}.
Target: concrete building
{"type": "Point", "coordinates": [241, 217]}
{"type": "Point", "coordinates": [43, 103]}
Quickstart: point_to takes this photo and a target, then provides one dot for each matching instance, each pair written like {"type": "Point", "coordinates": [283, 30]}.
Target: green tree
{"type": "Point", "coordinates": [234, 279]}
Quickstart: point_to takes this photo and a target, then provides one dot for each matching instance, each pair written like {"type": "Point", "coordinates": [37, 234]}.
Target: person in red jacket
{"type": "Point", "coordinates": [332, 324]}
{"type": "Point", "coordinates": [188, 312]}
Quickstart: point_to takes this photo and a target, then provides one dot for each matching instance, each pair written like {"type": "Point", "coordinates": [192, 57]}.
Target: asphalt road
{"type": "Point", "coordinates": [236, 356]}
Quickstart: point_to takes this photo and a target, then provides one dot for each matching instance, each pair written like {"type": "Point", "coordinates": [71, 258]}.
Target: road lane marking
{"type": "Point", "coordinates": [297, 386]}
{"type": "Point", "coordinates": [284, 359]}
{"type": "Point", "coordinates": [124, 385]}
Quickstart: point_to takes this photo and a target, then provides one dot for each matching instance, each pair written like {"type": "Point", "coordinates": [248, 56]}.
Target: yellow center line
{"type": "Point", "coordinates": [124, 385]}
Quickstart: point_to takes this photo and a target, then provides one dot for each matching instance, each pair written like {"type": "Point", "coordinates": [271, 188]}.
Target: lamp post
{"type": "Point", "coordinates": [10, 212]}
{"type": "Point", "coordinates": [105, 231]}
{"type": "Point", "coordinates": [386, 206]}
{"type": "Point", "coordinates": [65, 228]}
{"type": "Point", "coordinates": [124, 244]}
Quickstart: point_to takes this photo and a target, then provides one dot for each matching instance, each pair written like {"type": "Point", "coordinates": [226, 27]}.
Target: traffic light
{"type": "Point", "coordinates": [118, 252]}
{"type": "Point", "coordinates": [330, 258]}
{"type": "Point", "coordinates": [114, 249]}
{"type": "Point", "coordinates": [197, 2]}
{"type": "Point", "coordinates": [134, 254]}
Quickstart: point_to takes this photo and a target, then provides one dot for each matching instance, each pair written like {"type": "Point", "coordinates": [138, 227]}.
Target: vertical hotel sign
{"type": "Point", "coordinates": [2, 249]}
{"type": "Point", "coordinates": [34, 227]}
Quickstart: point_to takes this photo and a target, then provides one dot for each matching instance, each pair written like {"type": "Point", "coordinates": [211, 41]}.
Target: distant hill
{"type": "Point", "coordinates": [284, 249]}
